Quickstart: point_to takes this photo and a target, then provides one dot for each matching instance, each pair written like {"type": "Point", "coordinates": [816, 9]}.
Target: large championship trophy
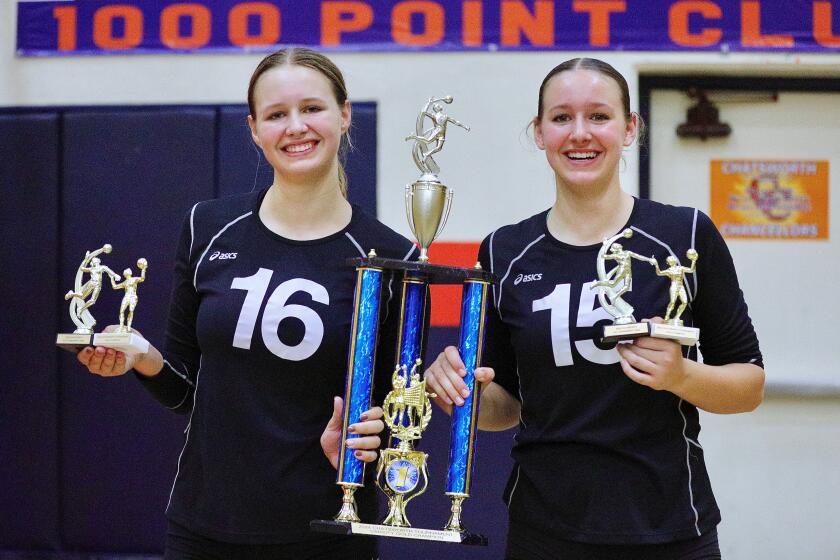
{"type": "Point", "coordinates": [618, 281]}
{"type": "Point", "coordinates": [401, 471]}
{"type": "Point", "coordinates": [85, 294]}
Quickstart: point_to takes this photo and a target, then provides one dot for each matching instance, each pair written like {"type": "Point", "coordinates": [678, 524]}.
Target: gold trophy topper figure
{"type": "Point", "coordinates": [427, 200]}
{"type": "Point", "coordinates": [129, 300]}
{"type": "Point", "coordinates": [619, 280]}
{"type": "Point", "coordinates": [673, 327]}
{"type": "Point", "coordinates": [429, 141]}
{"type": "Point", "coordinates": [675, 273]}
{"type": "Point", "coordinates": [613, 285]}
{"type": "Point", "coordinates": [408, 411]}
{"type": "Point", "coordinates": [83, 296]}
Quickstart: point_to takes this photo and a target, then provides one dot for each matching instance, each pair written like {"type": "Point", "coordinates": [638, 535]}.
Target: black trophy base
{"type": "Point", "coordinates": [617, 333]}
{"type": "Point", "coordinates": [376, 530]}
{"type": "Point", "coordinates": [431, 273]}
{"type": "Point", "coordinates": [73, 342]}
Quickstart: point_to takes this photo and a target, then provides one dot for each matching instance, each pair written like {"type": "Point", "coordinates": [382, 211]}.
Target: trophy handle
{"type": "Point", "coordinates": [447, 207]}
{"type": "Point", "coordinates": [408, 211]}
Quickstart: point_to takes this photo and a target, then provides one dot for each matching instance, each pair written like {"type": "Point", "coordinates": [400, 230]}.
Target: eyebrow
{"type": "Point", "coordinates": [596, 105]}
{"type": "Point", "coordinates": [304, 100]}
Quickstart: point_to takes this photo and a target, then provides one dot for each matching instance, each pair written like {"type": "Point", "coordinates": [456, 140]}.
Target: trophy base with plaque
{"type": "Point", "coordinates": [627, 331]}
{"type": "Point", "coordinates": [377, 530]}
{"type": "Point", "coordinates": [687, 336]}
{"type": "Point", "coordinates": [127, 342]}
{"type": "Point", "coordinates": [73, 342]}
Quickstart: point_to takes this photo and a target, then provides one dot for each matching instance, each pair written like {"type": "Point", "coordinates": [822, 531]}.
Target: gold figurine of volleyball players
{"type": "Point", "coordinates": [129, 300]}
{"type": "Point", "coordinates": [84, 296]}
{"type": "Point", "coordinates": [676, 273]}
{"type": "Point", "coordinates": [673, 326]}
{"type": "Point", "coordinates": [616, 283]}
{"type": "Point", "coordinates": [408, 411]}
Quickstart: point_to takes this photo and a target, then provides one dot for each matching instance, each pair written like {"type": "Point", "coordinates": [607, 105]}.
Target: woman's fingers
{"type": "Point", "coordinates": [453, 357]}
{"type": "Point", "coordinates": [364, 442]}
{"type": "Point", "coordinates": [108, 361]}
{"type": "Point", "coordinates": [372, 414]}
{"type": "Point", "coordinates": [105, 362]}
{"type": "Point", "coordinates": [368, 427]}
{"type": "Point", "coordinates": [485, 374]}
{"type": "Point", "coordinates": [366, 456]}
{"type": "Point", "coordinates": [84, 355]}
{"type": "Point", "coordinates": [445, 385]}
{"type": "Point", "coordinates": [95, 362]}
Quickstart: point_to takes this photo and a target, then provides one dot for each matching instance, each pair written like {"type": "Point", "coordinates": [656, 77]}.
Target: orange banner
{"type": "Point", "coordinates": [770, 199]}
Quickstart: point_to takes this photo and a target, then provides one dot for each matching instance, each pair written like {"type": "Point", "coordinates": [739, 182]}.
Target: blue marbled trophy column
{"type": "Point", "coordinates": [357, 394]}
{"type": "Point", "coordinates": [411, 328]}
{"type": "Point", "coordinates": [465, 418]}
{"type": "Point", "coordinates": [412, 320]}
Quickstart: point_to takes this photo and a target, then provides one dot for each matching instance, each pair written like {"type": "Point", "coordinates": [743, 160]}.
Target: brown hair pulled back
{"type": "Point", "coordinates": [601, 67]}
{"type": "Point", "coordinates": [297, 56]}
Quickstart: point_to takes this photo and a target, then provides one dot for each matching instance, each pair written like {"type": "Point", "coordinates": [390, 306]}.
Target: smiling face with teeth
{"type": "Point", "coordinates": [298, 124]}
{"type": "Point", "coordinates": [583, 129]}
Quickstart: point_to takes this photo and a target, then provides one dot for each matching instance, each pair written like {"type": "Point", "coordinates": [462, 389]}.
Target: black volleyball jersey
{"type": "Point", "coordinates": [256, 348]}
{"type": "Point", "coordinates": [599, 458]}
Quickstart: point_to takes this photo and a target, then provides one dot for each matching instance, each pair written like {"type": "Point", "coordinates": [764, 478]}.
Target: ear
{"type": "Point", "coordinates": [346, 116]}
{"type": "Point", "coordinates": [632, 129]}
{"type": "Point", "coordinates": [538, 137]}
{"type": "Point", "coordinates": [252, 124]}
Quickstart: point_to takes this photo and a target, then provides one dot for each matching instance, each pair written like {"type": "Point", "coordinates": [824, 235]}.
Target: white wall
{"type": "Point", "coordinates": [770, 468]}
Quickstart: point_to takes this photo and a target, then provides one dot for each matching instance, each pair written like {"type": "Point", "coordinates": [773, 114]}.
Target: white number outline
{"type": "Point", "coordinates": [558, 303]}
{"type": "Point", "coordinates": [276, 310]}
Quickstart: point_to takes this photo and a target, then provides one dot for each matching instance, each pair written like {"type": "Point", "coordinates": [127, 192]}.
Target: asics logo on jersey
{"type": "Point", "coordinates": [222, 256]}
{"type": "Point", "coordinates": [527, 278]}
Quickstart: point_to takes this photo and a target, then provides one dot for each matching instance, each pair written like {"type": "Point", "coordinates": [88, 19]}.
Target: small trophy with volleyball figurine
{"type": "Point", "coordinates": [85, 294]}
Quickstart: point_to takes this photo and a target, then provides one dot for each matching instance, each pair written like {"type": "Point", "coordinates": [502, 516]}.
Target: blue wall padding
{"type": "Point", "coordinates": [242, 167]}
{"type": "Point", "coordinates": [28, 316]}
{"type": "Point", "coordinates": [360, 163]}
{"type": "Point", "coordinates": [130, 176]}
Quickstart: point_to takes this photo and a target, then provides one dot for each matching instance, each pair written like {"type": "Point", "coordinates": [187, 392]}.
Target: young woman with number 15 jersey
{"type": "Point", "coordinates": [608, 464]}
{"type": "Point", "coordinates": [258, 334]}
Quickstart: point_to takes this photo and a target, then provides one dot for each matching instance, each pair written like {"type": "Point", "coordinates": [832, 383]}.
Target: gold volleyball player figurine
{"type": "Point", "coordinates": [673, 327]}
{"type": "Point", "coordinates": [129, 300]}
{"type": "Point", "coordinates": [84, 296]}
{"type": "Point", "coordinates": [619, 280]}
{"type": "Point", "coordinates": [676, 273]}
{"type": "Point", "coordinates": [407, 412]}
{"type": "Point", "coordinates": [613, 285]}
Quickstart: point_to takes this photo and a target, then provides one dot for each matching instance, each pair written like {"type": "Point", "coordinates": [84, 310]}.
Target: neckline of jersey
{"type": "Point", "coordinates": [354, 215]}
{"type": "Point", "coordinates": [584, 248]}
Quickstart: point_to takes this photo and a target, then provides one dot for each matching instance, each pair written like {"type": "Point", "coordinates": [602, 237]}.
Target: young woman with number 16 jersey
{"type": "Point", "coordinates": [608, 464]}
{"type": "Point", "coordinates": [258, 334]}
